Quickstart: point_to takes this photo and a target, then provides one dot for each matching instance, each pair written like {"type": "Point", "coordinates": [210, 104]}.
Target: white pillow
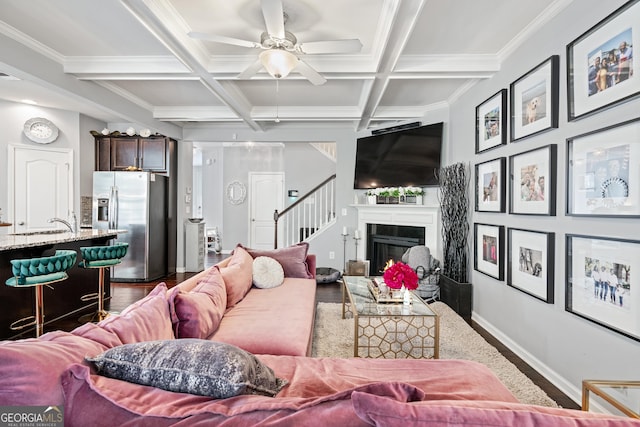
{"type": "Point", "coordinates": [267, 272]}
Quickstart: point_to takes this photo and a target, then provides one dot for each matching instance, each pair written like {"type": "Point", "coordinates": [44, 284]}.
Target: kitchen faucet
{"type": "Point", "coordinates": [72, 227]}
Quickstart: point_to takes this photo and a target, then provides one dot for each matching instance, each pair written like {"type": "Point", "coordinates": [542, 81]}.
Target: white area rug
{"type": "Point", "coordinates": [333, 337]}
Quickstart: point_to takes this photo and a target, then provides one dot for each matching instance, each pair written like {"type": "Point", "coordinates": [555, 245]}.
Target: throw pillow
{"type": "Point", "coordinates": [267, 273]}
{"type": "Point", "coordinates": [145, 320]}
{"type": "Point", "coordinates": [237, 275]}
{"type": "Point", "coordinates": [202, 367]}
{"type": "Point", "coordinates": [292, 259]}
{"type": "Point", "coordinates": [197, 314]}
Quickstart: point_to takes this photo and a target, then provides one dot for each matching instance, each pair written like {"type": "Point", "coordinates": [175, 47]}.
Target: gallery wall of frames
{"type": "Point", "coordinates": [602, 177]}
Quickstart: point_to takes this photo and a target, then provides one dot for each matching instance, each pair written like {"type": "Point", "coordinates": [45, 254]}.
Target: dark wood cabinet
{"type": "Point", "coordinates": [125, 152]}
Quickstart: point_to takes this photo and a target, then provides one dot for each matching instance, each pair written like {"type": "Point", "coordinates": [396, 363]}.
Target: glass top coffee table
{"type": "Point", "coordinates": [389, 330]}
{"type": "Point", "coordinates": [623, 395]}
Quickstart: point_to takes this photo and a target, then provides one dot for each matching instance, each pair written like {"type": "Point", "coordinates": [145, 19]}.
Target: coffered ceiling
{"type": "Point", "coordinates": [417, 56]}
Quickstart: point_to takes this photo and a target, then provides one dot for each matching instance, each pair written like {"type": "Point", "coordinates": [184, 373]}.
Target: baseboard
{"type": "Point", "coordinates": [557, 380]}
{"type": "Point", "coordinates": [181, 270]}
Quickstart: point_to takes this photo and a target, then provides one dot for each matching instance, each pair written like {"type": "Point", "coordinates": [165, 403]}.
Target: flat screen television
{"type": "Point", "coordinates": [409, 157]}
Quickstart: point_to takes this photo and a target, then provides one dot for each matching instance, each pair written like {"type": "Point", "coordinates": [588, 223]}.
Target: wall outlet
{"type": "Point", "coordinates": [344, 211]}
{"type": "Point", "coordinates": [332, 255]}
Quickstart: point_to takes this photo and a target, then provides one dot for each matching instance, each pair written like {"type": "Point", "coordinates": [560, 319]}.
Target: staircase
{"type": "Point", "coordinates": [309, 215]}
{"type": "Point", "coordinates": [326, 148]}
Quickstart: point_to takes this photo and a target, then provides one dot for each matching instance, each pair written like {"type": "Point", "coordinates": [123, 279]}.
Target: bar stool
{"type": "Point", "coordinates": [101, 257]}
{"type": "Point", "coordinates": [39, 272]}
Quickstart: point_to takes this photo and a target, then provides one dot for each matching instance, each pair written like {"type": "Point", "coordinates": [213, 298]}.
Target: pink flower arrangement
{"type": "Point", "coordinates": [400, 274]}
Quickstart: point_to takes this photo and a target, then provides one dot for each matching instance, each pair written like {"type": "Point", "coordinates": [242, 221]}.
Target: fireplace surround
{"type": "Point", "coordinates": [426, 218]}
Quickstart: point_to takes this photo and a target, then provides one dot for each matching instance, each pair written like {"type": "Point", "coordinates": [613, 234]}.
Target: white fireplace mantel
{"type": "Point", "coordinates": [412, 215]}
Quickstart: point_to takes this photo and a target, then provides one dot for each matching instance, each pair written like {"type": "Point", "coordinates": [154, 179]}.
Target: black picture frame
{"type": "Point", "coordinates": [491, 122]}
{"type": "Point", "coordinates": [589, 90]}
{"type": "Point", "coordinates": [603, 179]}
{"type": "Point", "coordinates": [488, 252]}
{"type": "Point", "coordinates": [530, 265]}
{"type": "Point", "coordinates": [532, 181]}
{"type": "Point", "coordinates": [585, 291]}
{"type": "Point", "coordinates": [534, 100]}
{"type": "Point", "coordinates": [491, 185]}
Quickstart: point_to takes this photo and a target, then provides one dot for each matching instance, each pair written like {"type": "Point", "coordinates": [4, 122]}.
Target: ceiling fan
{"type": "Point", "coordinates": [281, 48]}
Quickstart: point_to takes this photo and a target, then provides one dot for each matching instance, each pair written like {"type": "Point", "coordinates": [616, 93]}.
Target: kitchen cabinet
{"type": "Point", "coordinates": [125, 152]}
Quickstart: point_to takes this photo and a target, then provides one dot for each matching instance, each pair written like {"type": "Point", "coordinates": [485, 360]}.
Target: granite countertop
{"type": "Point", "coordinates": [17, 241]}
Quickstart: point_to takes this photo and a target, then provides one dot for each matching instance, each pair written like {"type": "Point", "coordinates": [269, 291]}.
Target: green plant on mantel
{"type": "Point", "coordinates": [395, 191]}
{"type": "Point", "coordinates": [454, 205]}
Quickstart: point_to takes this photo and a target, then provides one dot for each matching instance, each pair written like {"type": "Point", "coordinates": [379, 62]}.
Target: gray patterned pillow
{"type": "Point", "coordinates": [202, 367]}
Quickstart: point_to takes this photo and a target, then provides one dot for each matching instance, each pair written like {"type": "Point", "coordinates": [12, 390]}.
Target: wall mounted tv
{"type": "Point", "coordinates": [408, 157]}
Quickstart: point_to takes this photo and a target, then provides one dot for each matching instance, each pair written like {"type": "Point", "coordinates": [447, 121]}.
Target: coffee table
{"type": "Point", "coordinates": [389, 330]}
{"type": "Point", "coordinates": [623, 395]}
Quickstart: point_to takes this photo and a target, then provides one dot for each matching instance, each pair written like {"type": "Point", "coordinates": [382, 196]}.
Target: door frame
{"type": "Point", "coordinates": [11, 181]}
{"type": "Point", "coordinates": [252, 199]}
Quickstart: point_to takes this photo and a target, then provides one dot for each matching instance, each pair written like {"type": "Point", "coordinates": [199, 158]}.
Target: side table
{"type": "Point", "coordinates": [623, 395]}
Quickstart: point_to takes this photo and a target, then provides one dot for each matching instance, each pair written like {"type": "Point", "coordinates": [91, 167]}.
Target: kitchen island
{"type": "Point", "coordinates": [64, 299]}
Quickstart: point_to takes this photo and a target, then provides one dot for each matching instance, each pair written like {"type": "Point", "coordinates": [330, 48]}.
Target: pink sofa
{"type": "Point", "coordinates": [278, 320]}
{"type": "Point", "coordinates": [52, 370]}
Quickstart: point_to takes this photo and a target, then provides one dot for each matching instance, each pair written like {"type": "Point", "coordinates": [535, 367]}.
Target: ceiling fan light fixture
{"type": "Point", "coordinates": [278, 62]}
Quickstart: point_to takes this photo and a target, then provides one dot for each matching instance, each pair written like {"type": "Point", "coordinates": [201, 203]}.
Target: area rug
{"type": "Point", "coordinates": [333, 337]}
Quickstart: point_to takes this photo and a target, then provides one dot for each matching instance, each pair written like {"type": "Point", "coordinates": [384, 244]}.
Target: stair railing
{"type": "Point", "coordinates": [308, 215]}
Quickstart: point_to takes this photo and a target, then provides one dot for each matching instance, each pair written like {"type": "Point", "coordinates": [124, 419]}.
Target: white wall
{"type": "Point", "coordinates": [70, 126]}
{"type": "Point", "coordinates": [566, 348]}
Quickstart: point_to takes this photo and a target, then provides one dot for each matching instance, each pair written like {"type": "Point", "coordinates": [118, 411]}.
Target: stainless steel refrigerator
{"type": "Point", "coordinates": [135, 202]}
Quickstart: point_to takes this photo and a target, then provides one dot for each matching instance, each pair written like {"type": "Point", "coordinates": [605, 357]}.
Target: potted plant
{"type": "Point", "coordinates": [411, 195]}
{"type": "Point", "coordinates": [455, 291]}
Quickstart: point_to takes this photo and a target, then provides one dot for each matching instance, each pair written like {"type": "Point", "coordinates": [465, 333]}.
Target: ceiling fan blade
{"type": "Point", "coordinates": [223, 39]}
{"type": "Point", "coordinates": [331, 46]}
{"type": "Point", "coordinates": [250, 71]}
{"type": "Point", "coordinates": [312, 75]}
{"type": "Point", "coordinates": [273, 17]}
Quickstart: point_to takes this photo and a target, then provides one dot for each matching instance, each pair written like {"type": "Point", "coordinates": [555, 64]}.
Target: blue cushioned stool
{"type": "Point", "coordinates": [101, 257]}
{"type": "Point", "coordinates": [39, 272]}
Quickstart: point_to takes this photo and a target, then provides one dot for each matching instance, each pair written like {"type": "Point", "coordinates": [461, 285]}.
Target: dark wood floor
{"type": "Point", "coordinates": [124, 294]}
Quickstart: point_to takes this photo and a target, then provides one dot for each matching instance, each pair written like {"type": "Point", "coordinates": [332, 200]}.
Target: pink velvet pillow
{"type": "Point", "coordinates": [237, 275]}
{"type": "Point", "coordinates": [292, 259]}
{"type": "Point", "coordinates": [385, 412]}
{"type": "Point", "coordinates": [197, 314]}
{"type": "Point", "coordinates": [30, 369]}
{"type": "Point", "coordinates": [145, 320]}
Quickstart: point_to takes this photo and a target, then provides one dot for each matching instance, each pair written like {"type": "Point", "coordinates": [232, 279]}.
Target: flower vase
{"type": "Point", "coordinates": [371, 200]}
{"type": "Point", "coordinates": [406, 296]}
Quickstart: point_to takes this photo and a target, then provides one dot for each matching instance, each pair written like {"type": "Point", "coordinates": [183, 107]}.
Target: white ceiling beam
{"type": "Point", "coordinates": [157, 16]}
{"type": "Point", "coordinates": [404, 21]}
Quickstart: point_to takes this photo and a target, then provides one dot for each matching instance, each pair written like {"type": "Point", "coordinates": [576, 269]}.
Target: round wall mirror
{"type": "Point", "coordinates": [236, 192]}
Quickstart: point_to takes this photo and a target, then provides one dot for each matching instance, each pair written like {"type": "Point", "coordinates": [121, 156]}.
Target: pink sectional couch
{"type": "Point", "coordinates": [53, 370]}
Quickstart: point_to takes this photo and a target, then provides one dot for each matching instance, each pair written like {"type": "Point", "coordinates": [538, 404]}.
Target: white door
{"type": "Point", "coordinates": [266, 194]}
{"type": "Point", "coordinates": [40, 187]}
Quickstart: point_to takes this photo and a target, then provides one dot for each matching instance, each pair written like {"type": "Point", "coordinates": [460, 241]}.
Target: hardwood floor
{"type": "Point", "coordinates": [124, 294]}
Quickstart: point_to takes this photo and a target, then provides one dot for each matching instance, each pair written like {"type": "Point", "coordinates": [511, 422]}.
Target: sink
{"type": "Point", "coordinates": [36, 233]}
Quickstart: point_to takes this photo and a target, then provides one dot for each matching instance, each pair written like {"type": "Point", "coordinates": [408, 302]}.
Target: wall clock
{"type": "Point", "coordinates": [40, 130]}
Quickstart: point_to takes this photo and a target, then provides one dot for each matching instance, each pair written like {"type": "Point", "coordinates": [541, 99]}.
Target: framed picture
{"type": "Point", "coordinates": [598, 283]}
{"type": "Point", "coordinates": [491, 122]}
{"type": "Point", "coordinates": [489, 250]}
{"type": "Point", "coordinates": [602, 174]}
{"type": "Point", "coordinates": [490, 185]}
{"type": "Point", "coordinates": [530, 262]}
{"type": "Point", "coordinates": [532, 181]}
{"type": "Point", "coordinates": [534, 100]}
{"type": "Point", "coordinates": [600, 64]}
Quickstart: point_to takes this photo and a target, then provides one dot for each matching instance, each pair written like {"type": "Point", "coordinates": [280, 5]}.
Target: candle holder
{"type": "Point", "coordinates": [356, 238]}
{"type": "Point", "coordinates": [344, 252]}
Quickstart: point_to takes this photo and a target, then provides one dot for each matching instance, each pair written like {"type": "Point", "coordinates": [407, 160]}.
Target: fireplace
{"type": "Point", "coordinates": [386, 241]}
